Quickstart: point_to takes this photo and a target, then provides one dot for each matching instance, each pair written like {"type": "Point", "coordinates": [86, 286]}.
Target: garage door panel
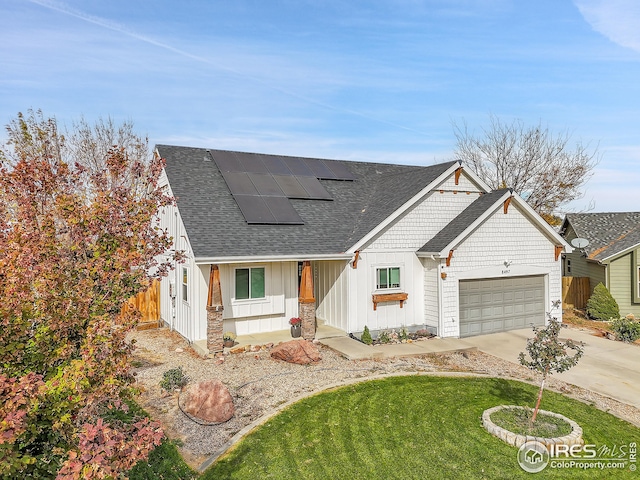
{"type": "Point", "coordinates": [495, 305]}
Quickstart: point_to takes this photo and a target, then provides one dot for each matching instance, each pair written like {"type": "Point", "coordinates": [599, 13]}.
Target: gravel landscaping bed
{"type": "Point", "coordinates": [259, 384]}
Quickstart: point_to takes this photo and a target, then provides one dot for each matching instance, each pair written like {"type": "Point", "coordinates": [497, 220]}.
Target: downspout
{"type": "Point", "coordinates": [439, 279]}
{"type": "Point", "coordinates": [174, 292]}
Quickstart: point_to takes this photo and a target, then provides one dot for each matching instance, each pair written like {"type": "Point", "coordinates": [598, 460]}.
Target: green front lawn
{"type": "Point", "coordinates": [407, 427]}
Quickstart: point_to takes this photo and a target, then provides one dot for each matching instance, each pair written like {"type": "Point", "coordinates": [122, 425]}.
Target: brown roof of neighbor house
{"type": "Point", "coordinates": [608, 233]}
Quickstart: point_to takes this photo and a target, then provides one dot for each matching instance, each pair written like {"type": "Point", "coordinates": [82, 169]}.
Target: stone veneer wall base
{"type": "Point", "coordinates": [215, 325]}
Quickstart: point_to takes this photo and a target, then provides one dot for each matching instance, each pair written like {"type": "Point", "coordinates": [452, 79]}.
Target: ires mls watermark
{"type": "Point", "coordinates": [534, 456]}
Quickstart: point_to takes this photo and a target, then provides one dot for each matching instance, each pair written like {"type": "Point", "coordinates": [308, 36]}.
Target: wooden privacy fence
{"type": "Point", "coordinates": [575, 292]}
{"type": "Point", "coordinates": [147, 303]}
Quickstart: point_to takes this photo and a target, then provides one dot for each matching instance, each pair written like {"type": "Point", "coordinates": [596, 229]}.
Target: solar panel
{"type": "Point", "coordinates": [255, 209]}
{"type": "Point", "coordinates": [340, 170]}
{"type": "Point", "coordinates": [275, 165]}
{"type": "Point", "coordinates": [297, 166]}
{"type": "Point", "coordinates": [265, 184]}
{"type": "Point", "coordinates": [252, 163]}
{"type": "Point", "coordinates": [239, 183]}
{"type": "Point", "coordinates": [227, 161]}
{"type": "Point", "coordinates": [319, 169]}
{"type": "Point", "coordinates": [291, 186]}
{"type": "Point", "coordinates": [283, 211]}
{"type": "Point", "coordinates": [314, 188]}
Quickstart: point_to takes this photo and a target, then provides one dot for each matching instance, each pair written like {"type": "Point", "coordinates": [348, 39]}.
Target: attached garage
{"type": "Point", "coordinates": [493, 305]}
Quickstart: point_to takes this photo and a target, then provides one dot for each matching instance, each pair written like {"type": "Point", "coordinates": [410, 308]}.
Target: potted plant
{"type": "Point", "coordinates": [228, 339]}
{"type": "Point", "coordinates": [296, 326]}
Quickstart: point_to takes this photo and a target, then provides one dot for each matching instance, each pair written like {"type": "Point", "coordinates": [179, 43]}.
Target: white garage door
{"type": "Point", "coordinates": [498, 304]}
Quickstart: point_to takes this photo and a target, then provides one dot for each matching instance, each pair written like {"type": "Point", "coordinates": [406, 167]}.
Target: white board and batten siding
{"type": "Point", "coordinates": [176, 311]}
{"type": "Point", "coordinates": [483, 255]}
{"type": "Point", "coordinates": [268, 314]}
{"type": "Point", "coordinates": [331, 282]}
{"type": "Point", "coordinates": [431, 297]}
{"type": "Point", "coordinates": [387, 314]}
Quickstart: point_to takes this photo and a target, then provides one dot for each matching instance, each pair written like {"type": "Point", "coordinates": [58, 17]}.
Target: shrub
{"type": "Point", "coordinates": [403, 335]}
{"type": "Point", "coordinates": [601, 305]}
{"type": "Point", "coordinates": [626, 329]}
{"type": "Point", "coordinates": [366, 336]}
{"type": "Point", "coordinates": [384, 337]}
{"type": "Point", "coordinates": [174, 378]}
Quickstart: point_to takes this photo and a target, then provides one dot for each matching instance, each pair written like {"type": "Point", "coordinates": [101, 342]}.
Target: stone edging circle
{"type": "Point", "coordinates": [574, 438]}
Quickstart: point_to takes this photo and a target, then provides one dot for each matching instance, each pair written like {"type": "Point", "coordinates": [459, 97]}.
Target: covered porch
{"type": "Point", "coordinates": [223, 311]}
{"type": "Point", "coordinates": [323, 332]}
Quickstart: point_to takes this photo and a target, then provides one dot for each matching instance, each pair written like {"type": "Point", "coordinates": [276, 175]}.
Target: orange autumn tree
{"type": "Point", "coordinates": [75, 243]}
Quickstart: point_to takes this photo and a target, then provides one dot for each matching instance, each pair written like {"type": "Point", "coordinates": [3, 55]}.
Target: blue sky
{"type": "Point", "coordinates": [363, 80]}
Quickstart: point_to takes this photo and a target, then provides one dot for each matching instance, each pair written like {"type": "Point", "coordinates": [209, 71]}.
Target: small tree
{"type": "Point", "coordinates": [366, 336]}
{"type": "Point", "coordinates": [548, 354]}
{"type": "Point", "coordinates": [601, 305]}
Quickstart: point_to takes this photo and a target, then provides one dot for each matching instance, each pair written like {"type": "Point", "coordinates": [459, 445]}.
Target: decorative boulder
{"type": "Point", "coordinates": [209, 401]}
{"type": "Point", "coordinates": [301, 352]}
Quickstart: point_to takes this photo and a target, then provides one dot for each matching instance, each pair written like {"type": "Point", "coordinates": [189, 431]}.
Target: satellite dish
{"type": "Point", "coordinates": [580, 242]}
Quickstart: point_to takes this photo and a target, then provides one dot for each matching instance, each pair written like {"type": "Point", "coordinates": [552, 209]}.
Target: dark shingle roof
{"type": "Point", "coordinates": [608, 233]}
{"type": "Point", "coordinates": [216, 227]}
{"type": "Point", "coordinates": [460, 223]}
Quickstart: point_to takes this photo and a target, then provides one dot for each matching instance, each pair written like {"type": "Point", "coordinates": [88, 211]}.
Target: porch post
{"type": "Point", "coordinates": [307, 302]}
{"type": "Point", "coordinates": [214, 312]}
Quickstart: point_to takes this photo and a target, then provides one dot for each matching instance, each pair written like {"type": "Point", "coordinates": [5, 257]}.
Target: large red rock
{"type": "Point", "coordinates": [209, 401]}
{"type": "Point", "coordinates": [301, 352]}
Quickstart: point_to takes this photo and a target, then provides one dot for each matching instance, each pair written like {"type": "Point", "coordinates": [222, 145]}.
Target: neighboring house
{"type": "Point", "coordinates": [351, 244]}
{"type": "Point", "coordinates": [612, 256]}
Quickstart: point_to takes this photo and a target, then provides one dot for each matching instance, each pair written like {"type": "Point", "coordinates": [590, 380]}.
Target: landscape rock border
{"type": "Point", "coordinates": [511, 438]}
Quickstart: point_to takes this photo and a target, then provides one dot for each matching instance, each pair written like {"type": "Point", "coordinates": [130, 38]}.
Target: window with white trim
{"type": "Point", "coordinates": [387, 278]}
{"type": "Point", "coordinates": [638, 283]}
{"type": "Point", "coordinates": [250, 283]}
{"type": "Point", "coordinates": [185, 284]}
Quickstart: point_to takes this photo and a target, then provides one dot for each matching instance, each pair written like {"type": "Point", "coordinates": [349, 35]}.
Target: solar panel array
{"type": "Point", "coordinates": [263, 184]}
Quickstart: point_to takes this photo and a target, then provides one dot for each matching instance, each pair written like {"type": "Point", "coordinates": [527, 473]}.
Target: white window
{"type": "Point", "coordinates": [250, 283]}
{"type": "Point", "coordinates": [185, 284]}
{"type": "Point", "coordinates": [387, 278]}
{"type": "Point", "coordinates": [638, 278]}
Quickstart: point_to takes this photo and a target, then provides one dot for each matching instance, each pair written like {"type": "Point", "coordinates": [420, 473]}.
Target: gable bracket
{"type": "Point", "coordinates": [457, 175]}
{"type": "Point", "coordinates": [354, 264]}
{"type": "Point", "coordinates": [507, 202]}
{"type": "Point", "coordinates": [449, 258]}
{"type": "Point", "coordinates": [559, 249]}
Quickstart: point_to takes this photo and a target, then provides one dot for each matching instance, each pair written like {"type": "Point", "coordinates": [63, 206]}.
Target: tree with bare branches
{"type": "Point", "coordinates": [538, 164]}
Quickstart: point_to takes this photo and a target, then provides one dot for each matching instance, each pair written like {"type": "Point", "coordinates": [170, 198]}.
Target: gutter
{"type": "Point", "coordinates": [271, 258]}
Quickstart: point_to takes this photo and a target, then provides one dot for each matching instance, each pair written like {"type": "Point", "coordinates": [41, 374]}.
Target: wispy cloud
{"type": "Point", "coordinates": [618, 20]}
{"type": "Point", "coordinates": [120, 28]}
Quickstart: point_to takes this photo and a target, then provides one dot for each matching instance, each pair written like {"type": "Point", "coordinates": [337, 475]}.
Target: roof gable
{"type": "Point", "coordinates": [609, 233]}
{"type": "Point", "coordinates": [450, 234]}
{"type": "Point", "coordinates": [476, 214]}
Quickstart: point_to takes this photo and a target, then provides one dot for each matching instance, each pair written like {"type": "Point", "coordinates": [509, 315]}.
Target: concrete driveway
{"type": "Point", "coordinates": [607, 367]}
